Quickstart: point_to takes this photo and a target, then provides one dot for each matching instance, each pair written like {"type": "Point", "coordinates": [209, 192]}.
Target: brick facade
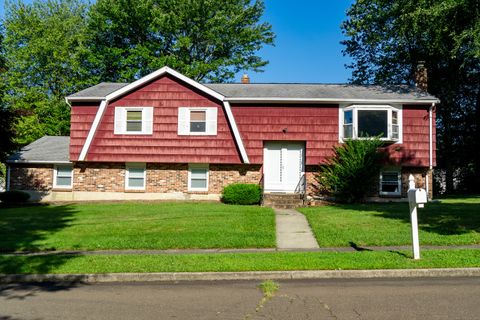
{"type": "Point", "coordinates": [110, 177]}
{"type": "Point", "coordinates": [172, 178]}
{"type": "Point", "coordinates": [38, 178]}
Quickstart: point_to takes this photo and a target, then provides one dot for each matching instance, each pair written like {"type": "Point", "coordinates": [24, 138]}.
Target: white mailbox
{"type": "Point", "coordinates": [420, 196]}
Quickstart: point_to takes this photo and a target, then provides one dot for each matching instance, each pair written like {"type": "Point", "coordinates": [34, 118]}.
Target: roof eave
{"type": "Point", "coordinates": [40, 161]}
{"type": "Point", "coordinates": [328, 100]}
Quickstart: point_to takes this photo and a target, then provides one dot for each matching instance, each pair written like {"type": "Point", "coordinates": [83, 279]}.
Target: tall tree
{"type": "Point", "coordinates": [387, 38]}
{"type": "Point", "coordinates": [45, 49]}
{"type": "Point", "coordinates": [207, 40]}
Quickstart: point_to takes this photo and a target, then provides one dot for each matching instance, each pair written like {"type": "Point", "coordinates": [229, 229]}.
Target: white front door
{"type": "Point", "coordinates": [283, 166]}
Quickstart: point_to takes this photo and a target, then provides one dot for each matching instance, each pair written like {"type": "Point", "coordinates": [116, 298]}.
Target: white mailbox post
{"type": "Point", "coordinates": [416, 198]}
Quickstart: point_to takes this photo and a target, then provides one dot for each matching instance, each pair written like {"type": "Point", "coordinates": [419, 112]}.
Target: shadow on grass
{"type": "Point", "coordinates": [22, 230]}
{"type": "Point", "coordinates": [441, 218]}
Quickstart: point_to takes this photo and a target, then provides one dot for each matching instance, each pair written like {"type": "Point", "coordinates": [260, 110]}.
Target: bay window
{"type": "Point", "coordinates": [364, 121]}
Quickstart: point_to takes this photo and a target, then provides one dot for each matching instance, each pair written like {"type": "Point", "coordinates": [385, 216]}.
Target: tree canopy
{"type": "Point", "coordinates": [387, 38]}
{"type": "Point", "coordinates": [207, 40]}
{"type": "Point", "coordinates": [53, 48]}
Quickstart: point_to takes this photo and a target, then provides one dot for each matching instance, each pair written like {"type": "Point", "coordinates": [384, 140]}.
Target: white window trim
{"type": "Point", "coordinates": [357, 107]}
{"type": "Point", "coordinates": [144, 127]}
{"type": "Point", "coordinates": [399, 176]}
{"type": "Point", "coordinates": [135, 165]}
{"type": "Point", "coordinates": [197, 166]}
{"type": "Point", "coordinates": [206, 133]}
{"type": "Point", "coordinates": [55, 172]}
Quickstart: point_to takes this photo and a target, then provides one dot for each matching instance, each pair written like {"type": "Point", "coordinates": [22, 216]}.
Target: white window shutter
{"type": "Point", "coordinates": [120, 121]}
{"type": "Point", "coordinates": [183, 121]}
{"type": "Point", "coordinates": [212, 121]}
{"type": "Point", "coordinates": [147, 119]}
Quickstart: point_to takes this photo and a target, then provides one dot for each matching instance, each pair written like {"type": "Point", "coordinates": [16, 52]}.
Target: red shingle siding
{"type": "Point", "coordinates": [315, 124]}
{"type": "Point", "coordinates": [415, 149]}
{"type": "Point", "coordinates": [166, 95]}
{"type": "Point", "coordinates": [81, 119]}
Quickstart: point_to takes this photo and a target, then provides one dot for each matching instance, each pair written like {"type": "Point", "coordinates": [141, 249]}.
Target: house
{"type": "Point", "coordinates": [166, 136]}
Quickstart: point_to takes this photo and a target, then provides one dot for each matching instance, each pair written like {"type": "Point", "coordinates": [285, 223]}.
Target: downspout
{"type": "Point", "coordinates": [7, 184]}
{"type": "Point", "coordinates": [430, 146]}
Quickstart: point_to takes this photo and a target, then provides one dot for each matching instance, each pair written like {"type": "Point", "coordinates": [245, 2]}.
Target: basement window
{"type": "Point", "coordinates": [367, 121]}
{"type": "Point", "coordinates": [63, 176]}
{"type": "Point", "coordinates": [198, 177]}
{"type": "Point", "coordinates": [390, 183]}
{"type": "Point", "coordinates": [135, 176]}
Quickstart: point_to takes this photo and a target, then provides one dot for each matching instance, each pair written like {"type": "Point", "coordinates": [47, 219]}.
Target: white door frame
{"type": "Point", "coordinates": [274, 181]}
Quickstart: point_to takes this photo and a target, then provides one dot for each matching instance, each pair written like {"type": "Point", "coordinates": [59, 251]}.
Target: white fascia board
{"type": "Point", "coordinates": [38, 161]}
{"type": "Point", "coordinates": [236, 133]}
{"type": "Point", "coordinates": [81, 99]}
{"type": "Point", "coordinates": [158, 73]}
{"type": "Point", "coordinates": [328, 100]}
{"type": "Point", "coordinates": [93, 129]}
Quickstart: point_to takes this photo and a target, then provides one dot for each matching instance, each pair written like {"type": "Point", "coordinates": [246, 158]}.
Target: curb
{"type": "Point", "coordinates": [249, 275]}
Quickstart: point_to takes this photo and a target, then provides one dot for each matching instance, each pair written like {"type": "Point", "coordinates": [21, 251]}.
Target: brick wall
{"type": "Point", "coordinates": [39, 178]}
{"type": "Point", "coordinates": [99, 177]}
{"type": "Point", "coordinates": [168, 178]}
{"type": "Point", "coordinates": [223, 175]}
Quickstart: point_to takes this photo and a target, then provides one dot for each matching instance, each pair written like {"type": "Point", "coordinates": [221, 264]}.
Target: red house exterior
{"type": "Point", "coordinates": [166, 136]}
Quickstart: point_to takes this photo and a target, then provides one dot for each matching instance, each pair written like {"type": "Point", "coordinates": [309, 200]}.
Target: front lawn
{"type": "Point", "coordinates": [135, 225]}
{"type": "Point", "coordinates": [448, 222]}
{"type": "Point", "coordinates": [270, 261]}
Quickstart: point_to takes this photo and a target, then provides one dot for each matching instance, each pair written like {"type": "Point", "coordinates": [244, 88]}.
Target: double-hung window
{"type": "Point", "coordinates": [197, 121]}
{"type": "Point", "coordinates": [135, 176]}
{"type": "Point", "coordinates": [198, 177]}
{"type": "Point", "coordinates": [367, 121]}
{"type": "Point", "coordinates": [390, 183]}
{"type": "Point", "coordinates": [133, 120]}
{"type": "Point", "coordinates": [63, 176]}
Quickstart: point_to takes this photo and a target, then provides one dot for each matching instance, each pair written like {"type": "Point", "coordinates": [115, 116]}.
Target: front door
{"type": "Point", "coordinates": [283, 165]}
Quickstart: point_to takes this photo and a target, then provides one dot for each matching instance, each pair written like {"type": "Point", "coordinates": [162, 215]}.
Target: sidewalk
{"type": "Point", "coordinates": [247, 250]}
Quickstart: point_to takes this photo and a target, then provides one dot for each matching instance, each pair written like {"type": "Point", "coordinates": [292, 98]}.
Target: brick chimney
{"type": "Point", "coordinates": [245, 79]}
{"type": "Point", "coordinates": [421, 76]}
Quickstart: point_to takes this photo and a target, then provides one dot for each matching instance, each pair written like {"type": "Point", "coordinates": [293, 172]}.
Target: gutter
{"type": "Point", "coordinates": [39, 161]}
{"type": "Point", "coordinates": [430, 120]}
{"type": "Point", "coordinates": [7, 183]}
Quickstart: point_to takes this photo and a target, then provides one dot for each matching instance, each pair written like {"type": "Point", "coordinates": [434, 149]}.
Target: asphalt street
{"type": "Point", "coordinates": [445, 298]}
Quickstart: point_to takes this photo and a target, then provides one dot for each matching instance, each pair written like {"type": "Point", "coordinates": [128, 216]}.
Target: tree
{"type": "Point", "coordinates": [387, 38]}
{"type": "Point", "coordinates": [207, 40]}
{"type": "Point", "coordinates": [7, 119]}
{"type": "Point", "coordinates": [45, 53]}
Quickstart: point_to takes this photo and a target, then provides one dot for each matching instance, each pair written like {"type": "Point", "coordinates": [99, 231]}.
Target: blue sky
{"type": "Point", "coordinates": [307, 47]}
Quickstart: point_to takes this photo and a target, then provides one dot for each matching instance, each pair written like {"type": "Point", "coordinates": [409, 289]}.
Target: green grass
{"type": "Point", "coordinates": [453, 221]}
{"type": "Point", "coordinates": [238, 262]}
{"type": "Point", "coordinates": [135, 225]}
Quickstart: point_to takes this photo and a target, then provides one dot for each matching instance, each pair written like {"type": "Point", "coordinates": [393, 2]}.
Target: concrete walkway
{"type": "Point", "coordinates": [293, 230]}
{"type": "Point", "coordinates": [245, 250]}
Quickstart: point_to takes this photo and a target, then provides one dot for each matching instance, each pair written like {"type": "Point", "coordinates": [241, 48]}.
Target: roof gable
{"type": "Point", "coordinates": [109, 91]}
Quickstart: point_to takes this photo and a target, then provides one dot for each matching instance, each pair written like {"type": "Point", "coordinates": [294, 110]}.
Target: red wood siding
{"type": "Point", "coordinates": [414, 151]}
{"type": "Point", "coordinates": [317, 125]}
{"type": "Point", "coordinates": [165, 95]}
{"type": "Point", "coordinates": [81, 119]}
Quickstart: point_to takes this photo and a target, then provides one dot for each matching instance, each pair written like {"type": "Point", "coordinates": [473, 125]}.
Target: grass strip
{"type": "Point", "coordinates": [449, 222]}
{"type": "Point", "coordinates": [239, 262]}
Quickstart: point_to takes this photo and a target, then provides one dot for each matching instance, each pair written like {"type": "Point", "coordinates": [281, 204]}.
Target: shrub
{"type": "Point", "coordinates": [242, 193]}
{"type": "Point", "coordinates": [352, 170]}
{"type": "Point", "coordinates": [14, 196]}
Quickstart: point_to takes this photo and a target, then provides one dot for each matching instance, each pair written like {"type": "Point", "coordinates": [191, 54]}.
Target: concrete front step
{"type": "Point", "coordinates": [285, 201]}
